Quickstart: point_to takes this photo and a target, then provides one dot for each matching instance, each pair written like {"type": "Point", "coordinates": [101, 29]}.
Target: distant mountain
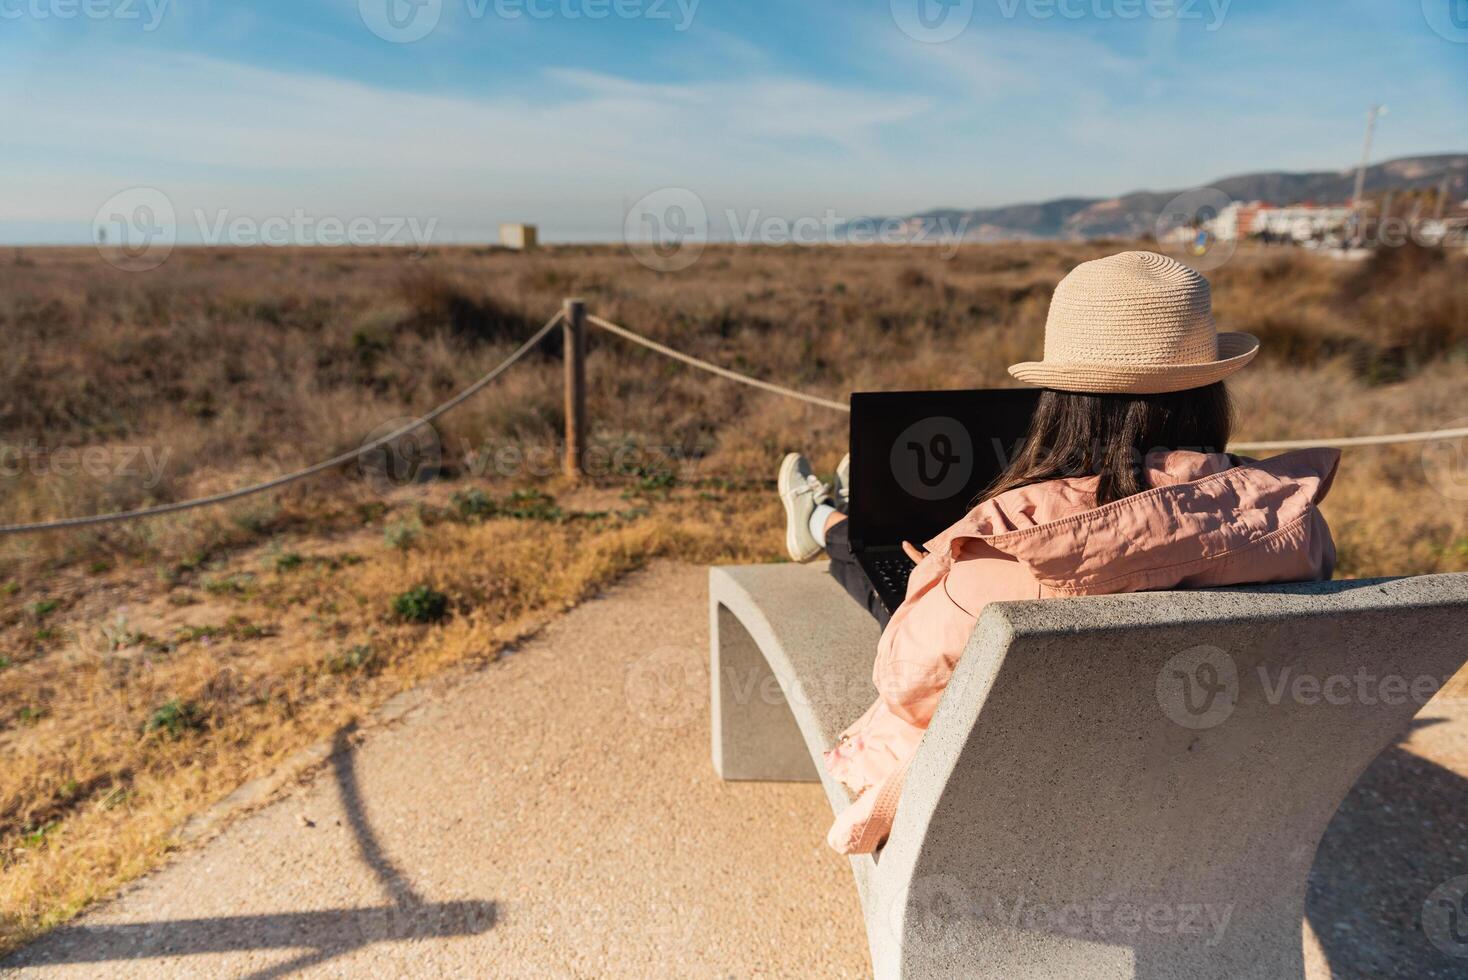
{"type": "Point", "coordinates": [1134, 215]}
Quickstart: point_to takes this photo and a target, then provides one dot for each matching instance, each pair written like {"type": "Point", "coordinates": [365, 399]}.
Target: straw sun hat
{"type": "Point", "coordinates": [1138, 323]}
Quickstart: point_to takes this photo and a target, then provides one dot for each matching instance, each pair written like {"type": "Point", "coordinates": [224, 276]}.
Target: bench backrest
{"type": "Point", "coordinates": [1138, 783]}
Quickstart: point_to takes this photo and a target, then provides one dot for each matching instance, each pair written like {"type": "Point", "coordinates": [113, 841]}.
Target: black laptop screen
{"type": "Point", "coordinates": [918, 458]}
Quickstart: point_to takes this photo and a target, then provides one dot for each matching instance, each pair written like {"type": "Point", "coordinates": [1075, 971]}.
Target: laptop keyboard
{"type": "Point", "coordinates": [890, 572]}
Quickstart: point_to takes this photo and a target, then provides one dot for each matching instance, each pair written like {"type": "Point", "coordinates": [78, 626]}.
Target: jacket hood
{"type": "Point", "coordinates": [1203, 509]}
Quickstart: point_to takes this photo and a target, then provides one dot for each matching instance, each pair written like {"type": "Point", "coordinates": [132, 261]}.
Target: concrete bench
{"type": "Point", "coordinates": [1117, 786]}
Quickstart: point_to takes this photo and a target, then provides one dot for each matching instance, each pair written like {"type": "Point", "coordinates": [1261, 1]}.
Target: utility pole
{"type": "Point", "coordinates": [1371, 114]}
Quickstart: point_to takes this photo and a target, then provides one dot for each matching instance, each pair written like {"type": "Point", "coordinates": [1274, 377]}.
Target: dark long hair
{"type": "Point", "coordinates": [1075, 434]}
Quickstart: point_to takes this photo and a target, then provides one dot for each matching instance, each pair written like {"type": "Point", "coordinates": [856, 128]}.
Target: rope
{"type": "Point", "coordinates": [1344, 441]}
{"type": "Point", "coordinates": [636, 338]}
{"type": "Point", "coordinates": [280, 481]}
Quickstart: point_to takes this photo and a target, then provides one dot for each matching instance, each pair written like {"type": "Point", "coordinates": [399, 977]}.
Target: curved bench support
{"type": "Point", "coordinates": [755, 734]}
{"type": "Point", "coordinates": [785, 653]}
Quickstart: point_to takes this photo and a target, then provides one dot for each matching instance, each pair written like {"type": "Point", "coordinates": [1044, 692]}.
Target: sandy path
{"type": "Point", "coordinates": [555, 814]}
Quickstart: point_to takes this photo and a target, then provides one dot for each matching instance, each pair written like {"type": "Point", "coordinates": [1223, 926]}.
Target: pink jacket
{"type": "Point", "coordinates": [1204, 522]}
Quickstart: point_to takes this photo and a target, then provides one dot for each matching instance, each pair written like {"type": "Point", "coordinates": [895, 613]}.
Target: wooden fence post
{"type": "Point", "coordinates": [574, 331]}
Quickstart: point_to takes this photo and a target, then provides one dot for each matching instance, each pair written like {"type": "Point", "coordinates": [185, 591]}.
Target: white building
{"type": "Point", "coordinates": [518, 236]}
{"type": "Point", "coordinates": [1301, 222]}
{"type": "Point", "coordinates": [1233, 222]}
{"type": "Point", "coordinates": [1297, 222]}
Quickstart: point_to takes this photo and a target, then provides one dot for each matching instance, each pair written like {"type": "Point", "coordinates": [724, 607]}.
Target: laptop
{"type": "Point", "coordinates": [918, 459]}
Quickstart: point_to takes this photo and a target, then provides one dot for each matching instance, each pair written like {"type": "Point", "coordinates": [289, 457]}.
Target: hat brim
{"type": "Point", "coordinates": [1234, 351]}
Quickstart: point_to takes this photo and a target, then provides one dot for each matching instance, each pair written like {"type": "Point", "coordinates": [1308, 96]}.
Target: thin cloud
{"type": "Point", "coordinates": [222, 134]}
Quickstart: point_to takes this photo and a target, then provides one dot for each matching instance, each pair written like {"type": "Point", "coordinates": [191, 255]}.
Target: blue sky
{"type": "Point", "coordinates": [564, 111]}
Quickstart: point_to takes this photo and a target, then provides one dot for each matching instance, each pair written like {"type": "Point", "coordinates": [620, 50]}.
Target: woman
{"type": "Point", "coordinates": [1122, 485]}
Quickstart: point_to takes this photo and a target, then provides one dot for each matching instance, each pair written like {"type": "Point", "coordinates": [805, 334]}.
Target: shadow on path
{"type": "Point", "coordinates": [1400, 834]}
{"type": "Point", "coordinates": [323, 934]}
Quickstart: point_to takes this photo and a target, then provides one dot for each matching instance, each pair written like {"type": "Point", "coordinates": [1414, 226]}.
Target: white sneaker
{"type": "Point", "coordinates": [801, 492]}
{"type": "Point", "coordinates": [841, 487]}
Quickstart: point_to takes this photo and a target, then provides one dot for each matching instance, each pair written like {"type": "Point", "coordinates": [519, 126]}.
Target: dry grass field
{"type": "Point", "coordinates": [148, 669]}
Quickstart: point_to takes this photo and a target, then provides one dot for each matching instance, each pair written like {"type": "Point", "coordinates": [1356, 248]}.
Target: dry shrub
{"type": "Point", "coordinates": [1390, 268]}
{"type": "Point", "coordinates": [438, 302]}
{"type": "Point", "coordinates": [913, 278]}
{"type": "Point", "coordinates": [1414, 303]}
{"type": "Point", "coordinates": [1388, 317]}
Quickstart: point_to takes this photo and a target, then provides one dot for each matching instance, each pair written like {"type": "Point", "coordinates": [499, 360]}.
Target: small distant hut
{"type": "Point", "coordinates": [518, 236]}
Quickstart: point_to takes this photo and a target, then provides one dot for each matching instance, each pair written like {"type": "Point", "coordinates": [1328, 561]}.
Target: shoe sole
{"type": "Point", "coordinates": [783, 484]}
{"type": "Point", "coordinates": [841, 488]}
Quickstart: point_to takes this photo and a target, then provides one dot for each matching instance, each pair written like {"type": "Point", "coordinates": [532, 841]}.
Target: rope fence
{"type": "Point", "coordinates": [692, 361]}
{"type": "Point", "coordinates": [280, 481]}
{"type": "Point", "coordinates": [574, 318]}
{"type": "Point", "coordinates": [1345, 442]}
